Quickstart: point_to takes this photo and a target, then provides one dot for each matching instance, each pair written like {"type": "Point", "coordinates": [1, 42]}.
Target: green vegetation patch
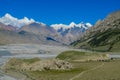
{"type": "Point", "coordinates": [106, 41]}
{"type": "Point", "coordinates": [31, 60]}
{"type": "Point", "coordinates": [70, 55]}
{"type": "Point", "coordinates": [82, 56]}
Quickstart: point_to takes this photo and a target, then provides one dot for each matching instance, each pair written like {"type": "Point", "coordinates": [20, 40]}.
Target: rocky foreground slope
{"type": "Point", "coordinates": [36, 64]}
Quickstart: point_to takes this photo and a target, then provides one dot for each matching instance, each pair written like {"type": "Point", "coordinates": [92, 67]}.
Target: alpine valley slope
{"type": "Point", "coordinates": [104, 36]}
{"type": "Point", "coordinates": [14, 30]}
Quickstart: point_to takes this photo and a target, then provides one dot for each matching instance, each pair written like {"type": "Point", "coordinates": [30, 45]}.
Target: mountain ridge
{"type": "Point", "coordinates": [104, 36]}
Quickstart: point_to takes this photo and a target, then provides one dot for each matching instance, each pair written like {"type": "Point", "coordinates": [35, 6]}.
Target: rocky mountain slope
{"type": "Point", "coordinates": [43, 31]}
{"type": "Point", "coordinates": [7, 27]}
{"type": "Point", "coordinates": [9, 35]}
{"type": "Point", "coordinates": [104, 36]}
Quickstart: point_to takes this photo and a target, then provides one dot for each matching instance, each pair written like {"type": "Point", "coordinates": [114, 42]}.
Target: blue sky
{"type": "Point", "coordinates": [60, 11]}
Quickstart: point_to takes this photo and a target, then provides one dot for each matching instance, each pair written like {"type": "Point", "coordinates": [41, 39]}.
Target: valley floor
{"type": "Point", "coordinates": [82, 70]}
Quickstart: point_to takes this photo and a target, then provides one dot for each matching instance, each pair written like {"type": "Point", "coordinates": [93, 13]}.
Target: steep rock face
{"type": "Point", "coordinates": [104, 36]}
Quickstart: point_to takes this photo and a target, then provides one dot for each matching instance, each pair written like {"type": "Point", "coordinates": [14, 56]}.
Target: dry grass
{"type": "Point", "coordinates": [109, 71]}
{"type": "Point", "coordinates": [62, 75]}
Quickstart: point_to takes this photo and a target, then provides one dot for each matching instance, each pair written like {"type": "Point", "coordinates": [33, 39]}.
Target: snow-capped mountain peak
{"type": "Point", "coordinates": [88, 24]}
{"type": "Point", "coordinates": [9, 16]}
{"type": "Point", "coordinates": [7, 19]}
{"type": "Point", "coordinates": [71, 25]}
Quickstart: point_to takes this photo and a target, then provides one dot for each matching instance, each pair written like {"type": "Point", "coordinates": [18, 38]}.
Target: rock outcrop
{"type": "Point", "coordinates": [39, 65]}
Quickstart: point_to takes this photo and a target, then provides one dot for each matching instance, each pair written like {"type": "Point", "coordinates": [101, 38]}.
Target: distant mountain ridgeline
{"type": "Point", "coordinates": [104, 36]}
{"type": "Point", "coordinates": [14, 30]}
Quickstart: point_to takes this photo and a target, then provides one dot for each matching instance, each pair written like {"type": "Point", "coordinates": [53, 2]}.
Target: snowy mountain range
{"type": "Point", "coordinates": [10, 20]}
{"type": "Point", "coordinates": [73, 31]}
{"type": "Point", "coordinates": [71, 25]}
{"type": "Point", "coordinates": [69, 33]}
{"type": "Point", "coordinates": [62, 28]}
{"type": "Point", "coordinates": [7, 19]}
